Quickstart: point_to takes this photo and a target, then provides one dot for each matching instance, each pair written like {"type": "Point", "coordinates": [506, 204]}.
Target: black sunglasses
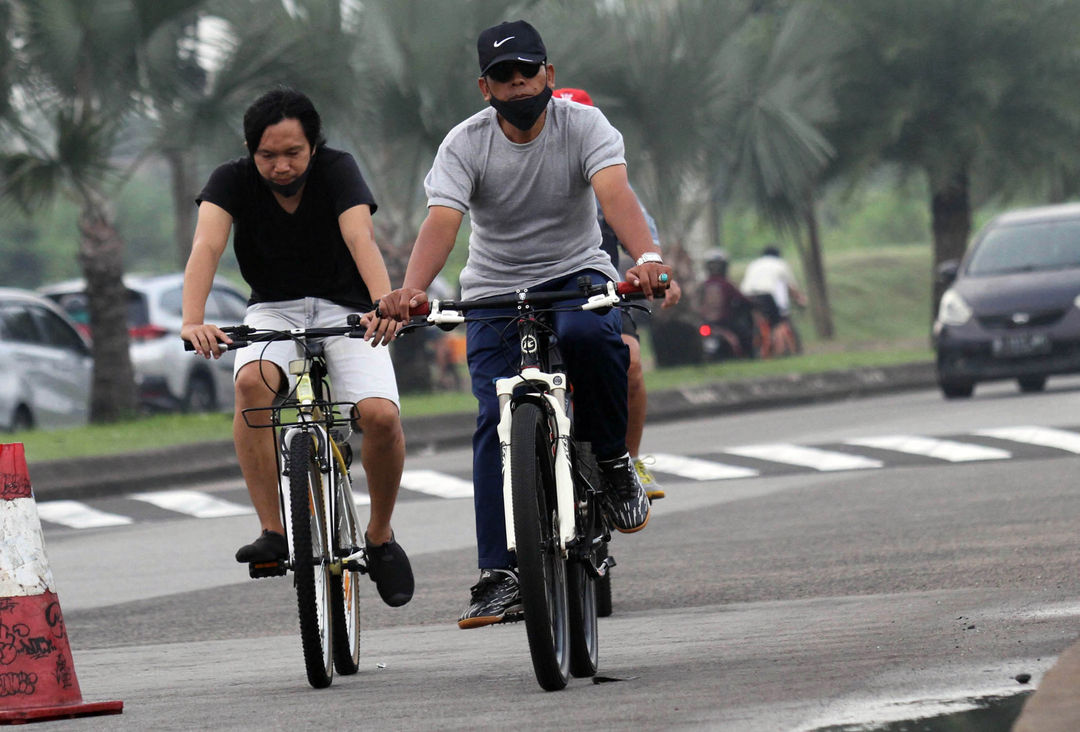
{"type": "Point", "coordinates": [504, 72]}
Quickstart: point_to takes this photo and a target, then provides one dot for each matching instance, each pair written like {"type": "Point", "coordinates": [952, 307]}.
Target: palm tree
{"type": "Point", "coordinates": [221, 60]}
{"type": "Point", "coordinates": [778, 153]}
{"type": "Point", "coordinates": [969, 92]}
{"type": "Point", "coordinates": [717, 101]}
{"type": "Point", "coordinates": [416, 67]}
{"type": "Point", "coordinates": [80, 64]}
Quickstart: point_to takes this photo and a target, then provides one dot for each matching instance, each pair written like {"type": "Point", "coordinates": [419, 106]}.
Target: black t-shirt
{"type": "Point", "coordinates": [287, 256]}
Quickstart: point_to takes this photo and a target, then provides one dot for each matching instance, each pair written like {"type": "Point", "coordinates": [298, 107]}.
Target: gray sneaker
{"type": "Point", "coordinates": [624, 499]}
{"type": "Point", "coordinates": [652, 487]}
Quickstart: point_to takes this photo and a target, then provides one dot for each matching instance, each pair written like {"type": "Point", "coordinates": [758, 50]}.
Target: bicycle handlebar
{"type": "Point", "coordinates": [597, 297]}
{"type": "Point", "coordinates": [445, 312]}
{"type": "Point", "coordinates": [245, 335]}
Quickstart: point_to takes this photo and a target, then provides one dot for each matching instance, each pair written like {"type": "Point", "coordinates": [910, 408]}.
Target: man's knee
{"type": "Point", "coordinates": [257, 383]}
{"type": "Point", "coordinates": [378, 417]}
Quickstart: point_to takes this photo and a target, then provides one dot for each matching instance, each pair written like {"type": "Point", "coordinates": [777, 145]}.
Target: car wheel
{"type": "Point", "coordinates": [1029, 384]}
{"type": "Point", "coordinates": [200, 395]}
{"type": "Point", "coordinates": [22, 419]}
{"type": "Point", "coordinates": [957, 389]}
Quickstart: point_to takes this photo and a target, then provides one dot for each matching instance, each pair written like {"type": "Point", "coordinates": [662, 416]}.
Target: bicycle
{"type": "Point", "coordinates": [551, 483]}
{"type": "Point", "coordinates": [326, 550]}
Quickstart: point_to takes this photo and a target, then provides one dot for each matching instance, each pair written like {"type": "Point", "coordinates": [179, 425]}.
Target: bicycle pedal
{"type": "Point", "coordinates": [515, 617]}
{"type": "Point", "coordinates": [607, 564]}
{"type": "Point", "coordinates": [259, 570]}
{"type": "Point", "coordinates": [354, 566]}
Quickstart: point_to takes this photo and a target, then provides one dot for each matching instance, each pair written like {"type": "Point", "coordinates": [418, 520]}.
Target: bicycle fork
{"type": "Point", "coordinates": [554, 393]}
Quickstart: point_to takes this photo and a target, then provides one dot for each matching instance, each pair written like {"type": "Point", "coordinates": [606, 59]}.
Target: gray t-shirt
{"type": "Point", "coordinates": [532, 208]}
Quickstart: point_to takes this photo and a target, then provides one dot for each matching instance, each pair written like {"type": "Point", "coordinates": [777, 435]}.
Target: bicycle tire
{"type": "Point", "coordinates": [603, 586]}
{"type": "Point", "coordinates": [541, 568]}
{"type": "Point", "coordinates": [581, 579]}
{"type": "Point", "coordinates": [584, 638]}
{"type": "Point", "coordinates": [311, 561]}
{"type": "Point", "coordinates": [345, 588]}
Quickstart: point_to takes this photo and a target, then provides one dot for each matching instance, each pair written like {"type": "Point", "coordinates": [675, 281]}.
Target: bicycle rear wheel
{"type": "Point", "coordinates": [541, 568]}
{"type": "Point", "coordinates": [581, 578]}
{"type": "Point", "coordinates": [603, 585]}
{"type": "Point", "coordinates": [311, 565]}
{"type": "Point", "coordinates": [584, 639]}
{"type": "Point", "coordinates": [345, 589]}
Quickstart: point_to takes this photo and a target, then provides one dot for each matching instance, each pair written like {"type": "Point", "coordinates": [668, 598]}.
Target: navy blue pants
{"type": "Point", "coordinates": [596, 362]}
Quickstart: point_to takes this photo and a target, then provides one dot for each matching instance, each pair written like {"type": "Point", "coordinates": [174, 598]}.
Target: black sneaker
{"type": "Point", "coordinates": [389, 568]}
{"type": "Point", "coordinates": [495, 598]}
{"type": "Point", "coordinates": [624, 499]}
{"type": "Point", "coordinates": [269, 547]}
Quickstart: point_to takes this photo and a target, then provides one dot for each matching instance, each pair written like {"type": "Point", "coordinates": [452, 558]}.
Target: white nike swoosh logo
{"type": "Point", "coordinates": [499, 43]}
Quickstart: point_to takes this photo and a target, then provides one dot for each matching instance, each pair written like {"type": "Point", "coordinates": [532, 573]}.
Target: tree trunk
{"type": "Point", "coordinates": [814, 270]}
{"type": "Point", "coordinates": [182, 169]}
{"type": "Point", "coordinates": [950, 206]}
{"type": "Point", "coordinates": [112, 395]}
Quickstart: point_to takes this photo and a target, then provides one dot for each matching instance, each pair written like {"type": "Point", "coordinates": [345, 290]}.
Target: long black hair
{"type": "Point", "coordinates": [275, 106]}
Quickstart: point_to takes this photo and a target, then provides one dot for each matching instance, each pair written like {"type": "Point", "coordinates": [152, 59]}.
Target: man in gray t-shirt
{"type": "Point", "coordinates": [528, 171]}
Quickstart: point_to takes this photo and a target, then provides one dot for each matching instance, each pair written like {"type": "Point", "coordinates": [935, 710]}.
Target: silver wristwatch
{"type": "Point", "coordinates": [649, 257]}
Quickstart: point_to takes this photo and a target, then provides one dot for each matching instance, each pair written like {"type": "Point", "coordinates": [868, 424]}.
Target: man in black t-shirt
{"type": "Point", "coordinates": [300, 214]}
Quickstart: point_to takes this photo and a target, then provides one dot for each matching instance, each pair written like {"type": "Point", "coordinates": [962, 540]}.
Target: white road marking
{"type": "Point", "coordinates": [78, 515]}
{"type": "Point", "coordinates": [809, 457]}
{"type": "Point", "coordinates": [954, 452]}
{"type": "Point", "coordinates": [696, 469]}
{"type": "Point", "coordinates": [1042, 436]}
{"type": "Point", "coordinates": [436, 484]}
{"type": "Point", "coordinates": [193, 503]}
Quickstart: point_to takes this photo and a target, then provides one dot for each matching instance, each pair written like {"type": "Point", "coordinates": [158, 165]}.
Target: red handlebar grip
{"type": "Point", "coordinates": [625, 288]}
{"type": "Point", "coordinates": [422, 309]}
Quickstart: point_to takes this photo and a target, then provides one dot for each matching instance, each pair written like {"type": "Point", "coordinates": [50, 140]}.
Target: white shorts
{"type": "Point", "coordinates": [357, 370]}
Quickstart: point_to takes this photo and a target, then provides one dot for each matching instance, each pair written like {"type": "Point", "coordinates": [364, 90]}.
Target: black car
{"type": "Point", "coordinates": [1012, 310]}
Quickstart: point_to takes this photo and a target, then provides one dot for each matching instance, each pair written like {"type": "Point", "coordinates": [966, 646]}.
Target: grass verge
{"type": "Point", "coordinates": [167, 430]}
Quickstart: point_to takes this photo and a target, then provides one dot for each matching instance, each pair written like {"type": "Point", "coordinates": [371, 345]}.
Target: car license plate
{"type": "Point", "coordinates": [1021, 344]}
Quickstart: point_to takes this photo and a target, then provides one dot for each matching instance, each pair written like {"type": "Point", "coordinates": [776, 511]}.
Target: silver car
{"type": "Point", "coordinates": [45, 364]}
{"type": "Point", "coordinates": [167, 376]}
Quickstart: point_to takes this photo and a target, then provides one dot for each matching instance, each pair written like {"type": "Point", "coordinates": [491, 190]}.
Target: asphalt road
{"type": "Point", "coordinates": [917, 574]}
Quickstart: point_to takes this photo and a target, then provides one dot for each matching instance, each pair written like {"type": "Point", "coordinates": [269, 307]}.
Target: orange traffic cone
{"type": "Point", "coordinates": [37, 675]}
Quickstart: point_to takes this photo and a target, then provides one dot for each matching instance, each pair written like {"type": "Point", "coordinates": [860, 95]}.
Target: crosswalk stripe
{"type": "Point", "coordinates": [954, 452]}
{"type": "Point", "coordinates": [696, 469]}
{"type": "Point", "coordinates": [1041, 436]}
{"type": "Point", "coordinates": [193, 503]}
{"type": "Point", "coordinates": [78, 515]}
{"type": "Point", "coordinates": [808, 457]}
{"type": "Point", "coordinates": [436, 484]}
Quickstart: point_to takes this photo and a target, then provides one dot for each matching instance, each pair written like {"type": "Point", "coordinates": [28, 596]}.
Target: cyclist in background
{"type": "Point", "coordinates": [770, 284]}
{"type": "Point", "coordinates": [526, 171]}
{"type": "Point", "coordinates": [301, 215]}
{"type": "Point", "coordinates": [637, 406]}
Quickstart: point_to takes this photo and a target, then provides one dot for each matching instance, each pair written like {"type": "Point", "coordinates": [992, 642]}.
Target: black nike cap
{"type": "Point", "coordinates": [511, 41]}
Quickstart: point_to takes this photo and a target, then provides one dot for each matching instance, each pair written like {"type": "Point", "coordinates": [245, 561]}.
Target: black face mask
{"type": "Point", "coordinates": [292, 188]}
{"type": "Point", "coordinates": [523, 113]}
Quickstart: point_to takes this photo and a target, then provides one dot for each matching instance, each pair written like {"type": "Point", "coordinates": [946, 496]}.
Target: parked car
{"type": "Point", "coordinates": [1012, 309]}
{"type": "Point", "coordinates": [167, 376]}
{"type": "Point", "coordinates": [45, 364]}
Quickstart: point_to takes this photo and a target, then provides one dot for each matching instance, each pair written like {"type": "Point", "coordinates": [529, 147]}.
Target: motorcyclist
{"type": "Point", "coordinates": [724, 307]}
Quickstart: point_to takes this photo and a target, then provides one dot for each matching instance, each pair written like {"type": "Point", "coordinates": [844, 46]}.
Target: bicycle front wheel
{"type": "Point", "coordinates": [345, 587]}
{"type": "Point", "coordinates": [541, 567]}
{"type": "Point", "coordinates": [311, 560]}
